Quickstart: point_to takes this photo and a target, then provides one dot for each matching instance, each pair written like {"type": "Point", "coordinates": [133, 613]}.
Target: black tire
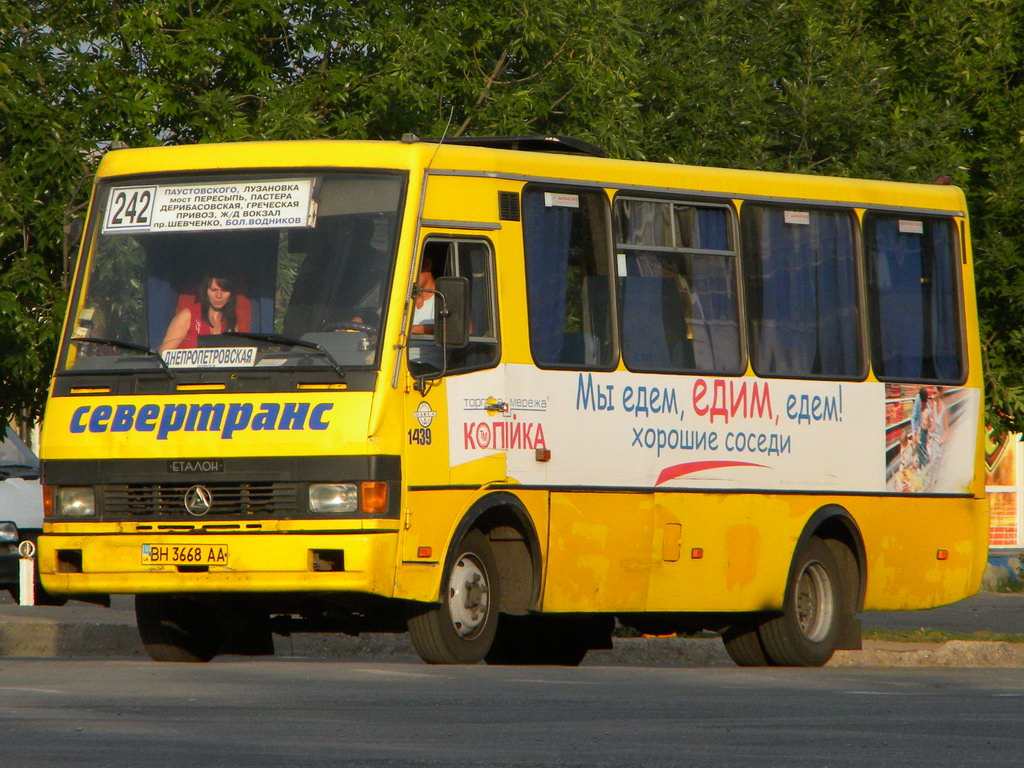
{"type": "Point", "coordinates": [541, 640]}
{"type": "Point", "coordinates": [461, 629]}
{"type": "Point", "coordinates": [806, 633]}
{"type": "Point", "coordinates": [175, 628]}
{"type": "Point", "coordinates": [743, 644]}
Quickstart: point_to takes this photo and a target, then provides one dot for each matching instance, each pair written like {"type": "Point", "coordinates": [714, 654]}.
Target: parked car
{"type": "Point", "coordinates": [21, 506]}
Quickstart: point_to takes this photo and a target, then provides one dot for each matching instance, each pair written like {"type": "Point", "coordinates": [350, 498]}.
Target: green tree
{"type": "Point", "coordinates": [81, 74]}
{"type": "Point", "coordinates": [914, 90]}
{"type": "Point", "coordinates": [910, 90]}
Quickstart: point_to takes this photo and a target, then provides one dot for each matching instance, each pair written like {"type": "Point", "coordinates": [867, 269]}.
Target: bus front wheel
{"type": "Point", "coordinates": [176, 628]}
{"type": "Point", "coordinates": [460, 630]}
{"type": "Point", "coordinates": [806, 633]}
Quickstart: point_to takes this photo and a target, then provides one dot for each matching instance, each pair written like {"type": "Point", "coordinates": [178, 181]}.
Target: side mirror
{"type": "Point", "coordinates": [73, 230]}
{"type": "Point", "coordinates": [451, 313]}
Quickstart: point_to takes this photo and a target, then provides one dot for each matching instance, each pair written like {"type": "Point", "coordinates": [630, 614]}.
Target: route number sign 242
{"type": "Point", "coordinates": [130, 208]}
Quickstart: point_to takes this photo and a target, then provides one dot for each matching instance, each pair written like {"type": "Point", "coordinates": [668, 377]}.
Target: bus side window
{"type": "Point", "coordinates": [913, 298]}
{"type": "Point", "coordinates": [677, 287]}
{"type": "Point", "coordinates": [568, 278]}
{"type": "Point", "coordinates": [800, 266]}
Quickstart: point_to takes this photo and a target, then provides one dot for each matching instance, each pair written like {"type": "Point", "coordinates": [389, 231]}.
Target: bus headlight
{"type": "Point", "coordinates": [333, 498]}
{"type": "Point", "coordinates": [76, 502]}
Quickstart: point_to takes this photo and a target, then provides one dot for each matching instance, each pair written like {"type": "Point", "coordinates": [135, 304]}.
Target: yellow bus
{"type": "Point", "coordinates": [504, 393]}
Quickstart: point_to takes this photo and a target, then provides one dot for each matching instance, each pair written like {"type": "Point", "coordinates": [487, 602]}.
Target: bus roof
{"type": "Point", "coordinates": [560, 159]}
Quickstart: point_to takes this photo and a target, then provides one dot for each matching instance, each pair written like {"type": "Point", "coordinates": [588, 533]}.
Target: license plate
{"type": "Point", "coordinates": [184, 554]}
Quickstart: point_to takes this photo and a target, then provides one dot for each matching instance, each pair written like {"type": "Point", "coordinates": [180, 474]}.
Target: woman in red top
{"type": "Point", "coordinates": [214, 312]}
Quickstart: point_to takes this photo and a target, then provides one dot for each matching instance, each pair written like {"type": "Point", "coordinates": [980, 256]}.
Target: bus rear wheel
{"type": "Point", "coordinates": [461, 629]}
{"type": "Point", "coordinates": [743, 643]}
{"type": "Point", "coordinates": [177, 628]}
{"type": "Point", "coordinates": [806, 633]}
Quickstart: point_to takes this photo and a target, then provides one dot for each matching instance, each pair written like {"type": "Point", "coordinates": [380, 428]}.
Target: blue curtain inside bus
{"type": "Point", "coordinates": [547, 230]}
{"type": "Point", "coordinates": [802, 292]}
{"type": "Point", "coordinates": [568, 284]}
{"type": "Point", "coordinates": [679, 308]}
{"type": "Point", "coordinates": [914, 299]}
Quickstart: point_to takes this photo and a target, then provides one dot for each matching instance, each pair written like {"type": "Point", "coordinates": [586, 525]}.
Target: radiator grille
{"type": "Point", "coordinates": [231, 499]}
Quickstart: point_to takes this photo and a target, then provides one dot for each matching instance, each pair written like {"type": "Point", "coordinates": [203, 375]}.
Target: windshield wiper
{"type": "Point", "coordinates": [129, 346]}
{"type": "Point", "coordinates": [276, 338]}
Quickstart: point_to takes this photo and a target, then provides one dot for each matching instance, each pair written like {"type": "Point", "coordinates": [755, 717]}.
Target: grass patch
{"type": "Point", "coordinates": [939, 636]}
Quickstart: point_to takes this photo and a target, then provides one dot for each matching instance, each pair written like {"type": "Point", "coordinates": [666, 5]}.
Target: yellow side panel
{"type": "Point", "coordinates": [734, 552]}
{"type": "Point", "coordinates": [427, 440]}
{"type": "Point", "coordinates": [903, 539]}
{"type": "Point", "coordinates": [601, 552]}
{"type": "Point", "coordinates": [669, 552]}
{"type": "Point", "coordinates": [446, 194]}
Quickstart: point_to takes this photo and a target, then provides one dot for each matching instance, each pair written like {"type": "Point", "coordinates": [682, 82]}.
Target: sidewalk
{"type": "Point", "coordinates": [997, 612]}
{"type": "Point", "coordinates": [81, 630]}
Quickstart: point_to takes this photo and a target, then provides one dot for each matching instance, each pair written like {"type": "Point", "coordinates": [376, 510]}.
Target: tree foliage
{"type": "Point", "coordinates": [901, 89]}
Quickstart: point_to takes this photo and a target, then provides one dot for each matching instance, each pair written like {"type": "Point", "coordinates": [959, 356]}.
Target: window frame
{"type": "Point", "coordinates": [859, 293]}
{"type": "Point", "coordinates": [600, 193]}
{"type": "Point", "coordinates": [80, 268]}
{"type": "Point", "coordinates": [956, 224]}
{"type": "Point", "coordinates": [733, 225]}
{"type": "Point", "coordinates": [492, 289]}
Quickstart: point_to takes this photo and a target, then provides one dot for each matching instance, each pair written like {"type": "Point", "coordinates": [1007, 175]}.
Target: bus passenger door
{"type": "Point", "coordinates": [450, 419]}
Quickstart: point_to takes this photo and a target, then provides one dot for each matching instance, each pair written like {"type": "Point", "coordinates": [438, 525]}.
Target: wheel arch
{"type": "Point", "coordinates": [835, 524]}
{"type": "Point", "coordinates": [503, 517]}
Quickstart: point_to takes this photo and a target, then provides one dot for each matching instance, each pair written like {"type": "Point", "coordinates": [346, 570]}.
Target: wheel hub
{"type": "Point", "coordinates": [815, 602]}
{"type": "Point", "coordinates": [468, 595]}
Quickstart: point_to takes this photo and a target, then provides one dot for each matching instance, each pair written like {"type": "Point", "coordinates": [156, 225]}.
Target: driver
{"type": "Point", "coordinates": [423, 312]}
{"type": "Point", "coordinates": [213, 312]}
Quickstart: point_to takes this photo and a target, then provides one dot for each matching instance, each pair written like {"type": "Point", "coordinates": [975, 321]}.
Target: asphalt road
{"type": "Point", "coordinates": [284, 713]}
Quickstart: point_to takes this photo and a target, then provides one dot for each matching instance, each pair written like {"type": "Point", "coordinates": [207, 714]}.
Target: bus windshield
{"type": "Point", "coordinates": [231, 272]}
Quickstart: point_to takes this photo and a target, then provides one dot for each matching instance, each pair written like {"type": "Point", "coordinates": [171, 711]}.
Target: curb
{"type": "Point", "coordinates": [952, 653]}
{"type": "Point", "coordinates": [26, 636]}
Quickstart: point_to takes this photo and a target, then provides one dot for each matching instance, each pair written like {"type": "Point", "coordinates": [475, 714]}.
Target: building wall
{"type": "Point", "coordinates": [1004, 483]}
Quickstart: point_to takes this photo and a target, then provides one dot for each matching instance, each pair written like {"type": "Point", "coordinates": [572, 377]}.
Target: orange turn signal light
{"type": "Point", "coordinates": [942, 554]}
{"type": "Point", "coordinates": [375, 497]}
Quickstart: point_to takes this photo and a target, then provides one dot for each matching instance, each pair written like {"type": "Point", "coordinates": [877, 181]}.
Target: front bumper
{"type": "Point", "coordinates": [361, 561]}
